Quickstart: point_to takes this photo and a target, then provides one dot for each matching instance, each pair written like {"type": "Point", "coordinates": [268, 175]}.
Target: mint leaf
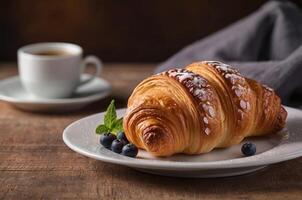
{"type": "Point", "coordinates": [111, 123]}
{"type": "Point", "coordinates": [101, 129]}
{"type": "Point", "coordinates": [117, 126]}
{"type": "Point", "coordinates": [110, 115]}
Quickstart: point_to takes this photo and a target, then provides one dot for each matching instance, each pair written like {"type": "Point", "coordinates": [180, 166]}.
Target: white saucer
{"type": "Point", "coordinates": [12, 91]}
{"type": "Point", "coordinates": [285, 145]}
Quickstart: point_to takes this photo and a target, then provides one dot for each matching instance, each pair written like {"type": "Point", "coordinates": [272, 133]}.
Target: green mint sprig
{"type": "Point", "coordinates": [111, 124]}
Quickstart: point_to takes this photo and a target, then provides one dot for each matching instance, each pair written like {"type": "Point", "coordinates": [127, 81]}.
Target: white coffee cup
{"type": "Point", "coordinates": [53, 70]}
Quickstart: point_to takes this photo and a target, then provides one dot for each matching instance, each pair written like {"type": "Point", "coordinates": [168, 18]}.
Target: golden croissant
{"type": "Point", "coordinates": [207, 105]}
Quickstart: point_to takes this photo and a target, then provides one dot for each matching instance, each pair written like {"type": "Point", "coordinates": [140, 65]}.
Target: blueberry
{"type": "Point", "coordinates": [122, 136]}
{"type": "Point", "coordinates": [248, 149]}
{"type": "Point", "coordinates": [117, 146]}
{"type": "Point", "coordinates": [106, 139]}
{"type": "Point", "coordinates": [129, 150]}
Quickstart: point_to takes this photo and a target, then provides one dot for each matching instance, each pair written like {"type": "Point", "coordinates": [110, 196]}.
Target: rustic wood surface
{"type": "Point", "coordinates": [35, 163]}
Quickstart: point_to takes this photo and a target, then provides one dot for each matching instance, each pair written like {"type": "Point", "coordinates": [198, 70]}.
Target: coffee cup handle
{"type": "Point", "coordinates": [97, 64]}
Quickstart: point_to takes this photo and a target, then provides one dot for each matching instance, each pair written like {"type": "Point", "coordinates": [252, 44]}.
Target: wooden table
{"type": "Point", "coordinates": [36, 164]}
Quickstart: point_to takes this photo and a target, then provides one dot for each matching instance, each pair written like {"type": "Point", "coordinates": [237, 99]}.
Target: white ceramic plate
{"type": "Point", "coordinates": [12, 91]}
{"type": "Point", "coordinates": [285, 145]}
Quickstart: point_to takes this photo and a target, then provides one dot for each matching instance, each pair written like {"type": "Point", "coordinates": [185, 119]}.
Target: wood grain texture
{"type": "Point", "coordinates": [35, 163]}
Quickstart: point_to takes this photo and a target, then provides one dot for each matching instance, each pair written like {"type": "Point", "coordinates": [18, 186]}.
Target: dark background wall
{"type": "Point", "coordinates": [117, 30]}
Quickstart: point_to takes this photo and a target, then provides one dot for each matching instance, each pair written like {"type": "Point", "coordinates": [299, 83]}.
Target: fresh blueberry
{"type": "Point", "coordinates": [248, 149]}
{"type": "Point", "coordinates": [106, 139]}
{"type": "Point", "coordinates": [129, 150]}
{"type": "Point", "coordinates": [122, 136]}
{"type": "Point", "coordinates": [117, 146]}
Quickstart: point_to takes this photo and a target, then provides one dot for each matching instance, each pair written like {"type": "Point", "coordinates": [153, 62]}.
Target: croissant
{"type": "Point", "coordinates": [207, 105]}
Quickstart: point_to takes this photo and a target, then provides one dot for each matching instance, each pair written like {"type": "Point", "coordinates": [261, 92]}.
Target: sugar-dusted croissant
{"type": "Point", "coordinates": [194, 110]}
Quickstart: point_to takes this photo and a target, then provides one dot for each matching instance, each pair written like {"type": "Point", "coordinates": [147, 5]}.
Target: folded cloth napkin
{"type": "Point", "coordinates": [265, 46]}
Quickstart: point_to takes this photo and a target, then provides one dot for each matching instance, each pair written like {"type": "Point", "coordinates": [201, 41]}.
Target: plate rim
{"type": "Point", "coordinates": [90, 98]}
{"type": "Point", "coordinates": [175, 165]}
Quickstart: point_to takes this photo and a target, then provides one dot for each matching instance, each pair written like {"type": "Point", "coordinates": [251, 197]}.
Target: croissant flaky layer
{"type": "Point", "coordinates": [194, 110]}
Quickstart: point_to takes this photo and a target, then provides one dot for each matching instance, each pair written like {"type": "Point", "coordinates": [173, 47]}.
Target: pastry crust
{"type": "Point", "coordinates": [194, 110]}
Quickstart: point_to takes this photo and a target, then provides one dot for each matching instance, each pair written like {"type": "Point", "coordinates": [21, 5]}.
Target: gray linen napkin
{"type": "Point", "coordinates": [265, 46]}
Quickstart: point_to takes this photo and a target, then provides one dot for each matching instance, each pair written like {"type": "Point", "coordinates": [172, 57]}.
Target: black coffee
{"type": "Point", "coordinates": [51, 53]}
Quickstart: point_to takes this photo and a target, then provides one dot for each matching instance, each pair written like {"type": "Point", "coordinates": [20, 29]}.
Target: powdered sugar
{"type": "Point", "coordinates": [198, 88]}
{"type": "Point", "coordinates": [238, 85]}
